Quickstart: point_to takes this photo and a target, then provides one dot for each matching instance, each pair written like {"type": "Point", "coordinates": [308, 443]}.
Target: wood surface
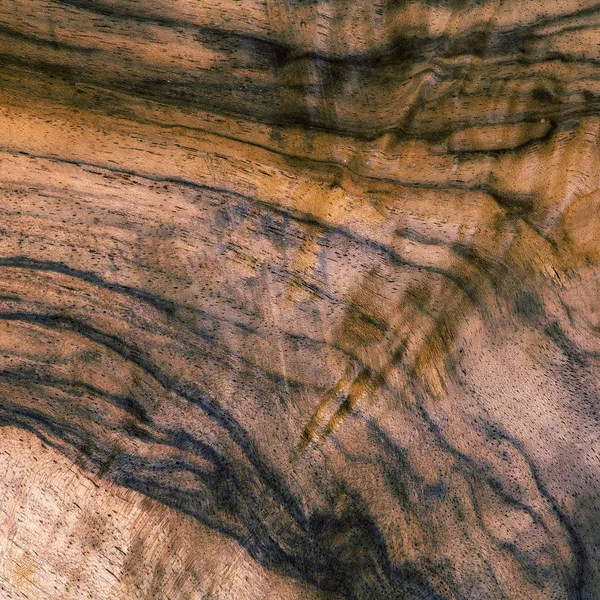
{"type": "Point", "coordinates": [299, 299]}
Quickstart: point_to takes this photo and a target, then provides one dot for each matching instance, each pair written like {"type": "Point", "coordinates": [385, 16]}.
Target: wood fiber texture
{"type": "Point", "coordinates": [299, 299]}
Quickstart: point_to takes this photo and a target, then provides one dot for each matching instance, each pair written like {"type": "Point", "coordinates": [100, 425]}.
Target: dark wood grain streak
{"type": "Point", "coordinates": [299, 299]}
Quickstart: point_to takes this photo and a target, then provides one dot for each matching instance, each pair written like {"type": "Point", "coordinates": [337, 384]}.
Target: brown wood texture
{"type": "Point", "coordinates": [299, 299]}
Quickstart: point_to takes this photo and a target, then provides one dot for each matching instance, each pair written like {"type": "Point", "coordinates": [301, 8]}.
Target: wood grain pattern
{"type": "Point", "coordinates": [299, 299]}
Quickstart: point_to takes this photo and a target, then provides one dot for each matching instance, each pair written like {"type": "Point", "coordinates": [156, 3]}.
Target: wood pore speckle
{"type": "Point", "coordinates": [299, 300]}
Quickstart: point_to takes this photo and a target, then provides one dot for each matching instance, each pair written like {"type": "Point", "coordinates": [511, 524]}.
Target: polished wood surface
{"type": "Point", "coordinates": [299, 299]}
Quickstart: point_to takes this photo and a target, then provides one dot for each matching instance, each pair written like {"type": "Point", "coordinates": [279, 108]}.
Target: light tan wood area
{"type": "Point", "coordinates": [299, 299]}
